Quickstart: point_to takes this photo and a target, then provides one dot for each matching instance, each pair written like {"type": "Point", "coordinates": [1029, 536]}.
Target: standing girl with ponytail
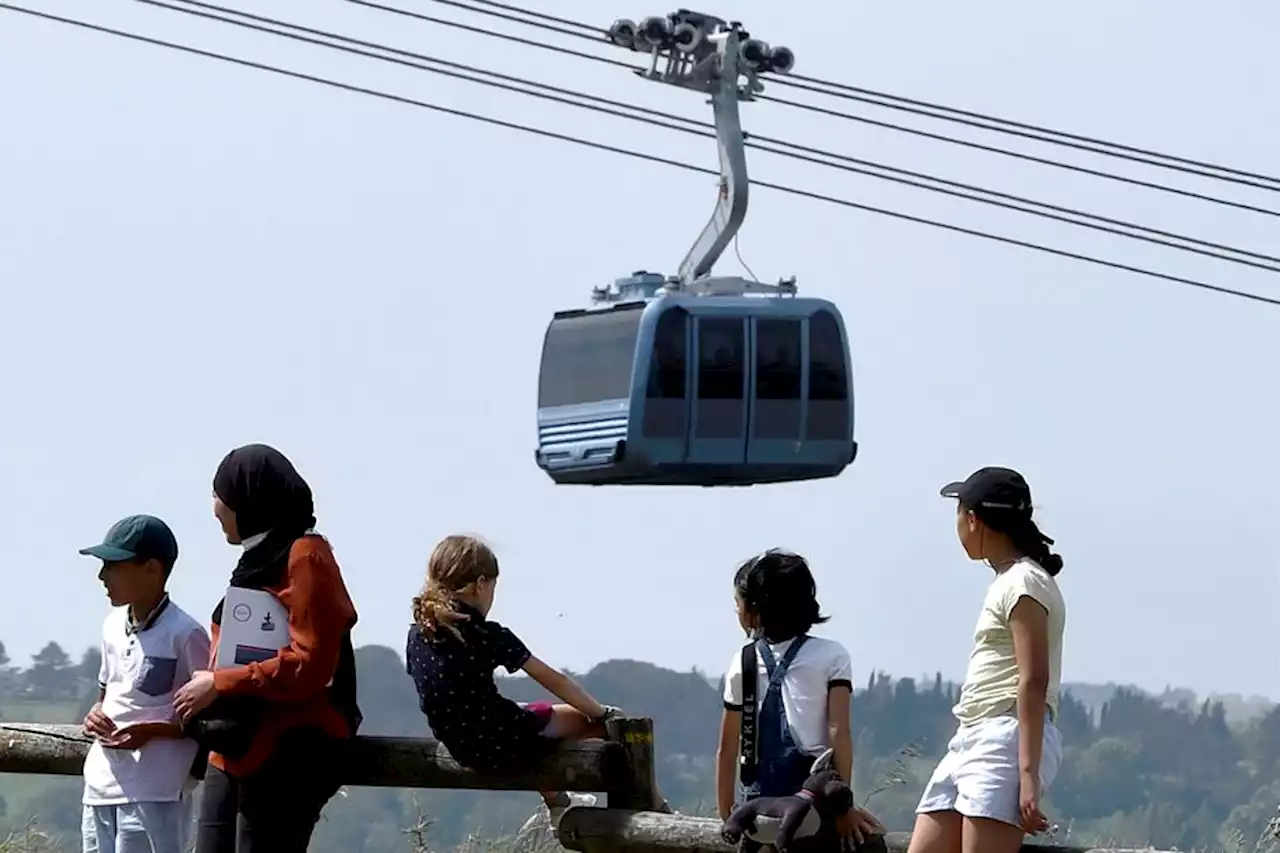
{"type": "Point", "coordinates": [985, 793]}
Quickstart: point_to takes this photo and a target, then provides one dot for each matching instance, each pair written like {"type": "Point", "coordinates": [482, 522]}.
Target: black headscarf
{"type": "Point", "coordinates": [269, 496]}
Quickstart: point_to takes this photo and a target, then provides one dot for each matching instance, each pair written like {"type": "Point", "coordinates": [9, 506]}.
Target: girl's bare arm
{"type": "Point", "coordinates": [727, 761]}
{"type": "Point", "coordinates": [1029, 624]}
{"type": "Point", "coordinates": [838, 731]}
{"type": "Point", "coordinates": [563, 688]}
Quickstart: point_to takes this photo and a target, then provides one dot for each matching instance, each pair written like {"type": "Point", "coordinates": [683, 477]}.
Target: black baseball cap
{"type": "Point", "coordinates": [138, 537]}
{"type": "Point", "coordinates": [992, 488]}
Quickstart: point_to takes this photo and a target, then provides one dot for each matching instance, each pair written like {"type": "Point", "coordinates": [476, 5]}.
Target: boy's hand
{"type": "Point", "coordinates": [135, 736]}
{"type": "Point", "coordinates": [98, 724]}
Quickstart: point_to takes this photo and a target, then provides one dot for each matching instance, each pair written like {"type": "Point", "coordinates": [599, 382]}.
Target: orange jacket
{"type": "Point", "coordinates": [294, 682]}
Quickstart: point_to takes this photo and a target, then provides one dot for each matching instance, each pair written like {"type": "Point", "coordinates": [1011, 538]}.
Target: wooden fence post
{"type": "Point", "coordinates": [635, 734]}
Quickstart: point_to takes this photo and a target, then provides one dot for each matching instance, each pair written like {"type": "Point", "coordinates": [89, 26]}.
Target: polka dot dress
{"type": "Point", "coordinates": [480, 727]}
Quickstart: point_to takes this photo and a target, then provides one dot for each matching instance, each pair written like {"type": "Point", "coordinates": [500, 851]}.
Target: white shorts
{"type": "Point", "coordinates": [979, 776]}
{"type": "Point", "coordinates": [137, 827]}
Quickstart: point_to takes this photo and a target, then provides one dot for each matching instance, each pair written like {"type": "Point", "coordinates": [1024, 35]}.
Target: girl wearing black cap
{"type": "Point", "coordinates": [272, 726]}
{"type": "Point", "coordinates": [985, 794]}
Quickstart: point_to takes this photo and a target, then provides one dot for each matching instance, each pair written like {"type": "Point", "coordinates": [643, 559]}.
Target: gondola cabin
{"type": "Point", "coordinates": [696, 390]}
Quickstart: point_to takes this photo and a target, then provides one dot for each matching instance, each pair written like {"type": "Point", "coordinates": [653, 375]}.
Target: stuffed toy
{"type": "Point", "coordinates": [781, 820]}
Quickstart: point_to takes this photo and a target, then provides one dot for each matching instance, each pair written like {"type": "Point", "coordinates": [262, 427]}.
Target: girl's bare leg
{"type": "Point", "coordinates": [937, 832]}
{"type": "Point", "coordinates": [983, 835]}
{"type": "Point", "coordinates": [571, 724]}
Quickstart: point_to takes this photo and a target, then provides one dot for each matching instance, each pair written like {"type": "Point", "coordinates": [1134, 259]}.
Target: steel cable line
{"type": "Point", "coordinates": [897, 102]}
{"type": "Point", "coordinates": [540, 20]}
{"type": "Point", "coordinates": [1035, 128]}
{"type": "Point", "coordinates": [1018, 155]}
{"type": "Point", "coordinates": [528, 42]}
{"type": "Point", "coordinates": [992, 149]}
{"type": "Point", "coordinates": [705, 129]}
{"type": "Point", "coordinates": [640, 155]}
{"type": "Point", "coordinates": [1024, 134]}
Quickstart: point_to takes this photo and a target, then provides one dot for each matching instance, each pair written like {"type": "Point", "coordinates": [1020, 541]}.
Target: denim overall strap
{"type": "Point", "coordinates": [783, 766]}
{"type": "Point", "coordinates": [777, 670]}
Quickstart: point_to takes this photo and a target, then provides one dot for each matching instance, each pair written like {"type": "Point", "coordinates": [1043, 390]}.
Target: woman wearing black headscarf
{"type": "Point", "coordinates": [274, 728]}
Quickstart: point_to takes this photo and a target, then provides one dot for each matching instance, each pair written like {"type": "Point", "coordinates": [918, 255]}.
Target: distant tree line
{"type": "Point", "coordinates": [1138, 770]}
{"type": "Point", "coordinates": [52, 675]}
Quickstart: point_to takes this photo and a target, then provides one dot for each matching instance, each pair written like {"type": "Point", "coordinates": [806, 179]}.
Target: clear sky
{"type": "Point", "coordinates": [194, 256]}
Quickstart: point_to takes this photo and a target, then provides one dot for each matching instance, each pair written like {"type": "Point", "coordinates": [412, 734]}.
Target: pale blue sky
{"type": "Point", "coordinates": [194, 256]}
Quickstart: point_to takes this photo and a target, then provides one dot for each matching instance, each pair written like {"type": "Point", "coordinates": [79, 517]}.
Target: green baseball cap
{"type": "Point", "coordinates": [138, 537]}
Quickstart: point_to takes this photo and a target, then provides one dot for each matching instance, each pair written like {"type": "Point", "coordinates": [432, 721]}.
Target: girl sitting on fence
{"type": "Point", "coordinates": [793, 705]}
{"type": "Point", "coordinates": [452, 653]}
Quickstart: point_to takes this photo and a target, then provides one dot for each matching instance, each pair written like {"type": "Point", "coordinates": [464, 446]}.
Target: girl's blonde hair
{"type": "Point", "coordinates": [455, 564]}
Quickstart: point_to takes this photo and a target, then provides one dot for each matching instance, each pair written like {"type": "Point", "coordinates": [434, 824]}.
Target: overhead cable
{"type": "Point", "coordinates": [550, 134]}
{"type": "Point", "coordinates": [942, 112]}
{"type": "Point", "coordinates": [770, 145]}
{"type": "Point", "coordinates": [1057, 164]}
{"type": "Point", "coordinates": [1223, 175]}
{"type": "Point", "coordinates": [1018, 155]}
{"type": "Point", "coordinates": [1270, 182]}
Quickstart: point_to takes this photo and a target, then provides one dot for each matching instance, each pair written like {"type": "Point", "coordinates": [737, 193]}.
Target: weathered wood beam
{"type": "Point", "coordinates": [592, 765]}
{"type": "Point", "coordinates": [387, 762]}
{"type": "Point", "coordinates": [596, 830]}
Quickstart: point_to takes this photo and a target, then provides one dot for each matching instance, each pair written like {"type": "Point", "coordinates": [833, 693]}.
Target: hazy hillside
{"type": "Point", "coordinates": [1238, 709]}
{"type": "Point", "coordinates": [1170, 771]}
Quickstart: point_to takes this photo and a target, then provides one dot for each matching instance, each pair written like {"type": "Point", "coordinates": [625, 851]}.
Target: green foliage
{"type": "Point", "coordinates": [1139, 770]}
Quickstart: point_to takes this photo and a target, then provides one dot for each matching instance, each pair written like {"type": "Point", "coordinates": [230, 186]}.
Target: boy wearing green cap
{"type": "Point", "coordinates": [137, 776]}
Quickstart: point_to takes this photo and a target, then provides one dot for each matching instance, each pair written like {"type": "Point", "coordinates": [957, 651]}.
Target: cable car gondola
{"type": "Point", "coordinates": [690, 390]}
{"type": "Point", "coordinates": [698, 380]}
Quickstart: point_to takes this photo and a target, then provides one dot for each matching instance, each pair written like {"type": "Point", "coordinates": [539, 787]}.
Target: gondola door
{"type": "Point", "coordinates": [776, 413]}
{"type": "Point", "coordinates": [718, 427]}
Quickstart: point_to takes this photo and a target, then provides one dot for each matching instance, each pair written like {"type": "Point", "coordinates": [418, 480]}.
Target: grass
{"type": "Point", "coordinates": [1268, 842]}
{"type": "Point", "coordinates": [899, 773]}
{"type": "Point", "coordinates": [419, 842]}
{"type": "Point", "coordinates": [29, 839]}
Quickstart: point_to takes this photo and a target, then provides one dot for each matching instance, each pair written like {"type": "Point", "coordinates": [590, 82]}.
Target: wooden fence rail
{"type": "Point", "coordinates": [621, 767]}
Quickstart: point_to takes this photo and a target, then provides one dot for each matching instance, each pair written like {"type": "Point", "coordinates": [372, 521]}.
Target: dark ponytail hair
{"type": "Point", "coordinates": [1024, 534]}
{"type": "Point", "coordinates": [1034, 545]}
{"type": "Point", "coordinates": [778, 588]}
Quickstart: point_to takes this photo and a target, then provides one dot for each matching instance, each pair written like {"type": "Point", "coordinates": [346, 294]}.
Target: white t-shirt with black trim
{"type": "Point", "coordinates": [819, 665]}
{"type": "Point", "coordinates": [142, 666]}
